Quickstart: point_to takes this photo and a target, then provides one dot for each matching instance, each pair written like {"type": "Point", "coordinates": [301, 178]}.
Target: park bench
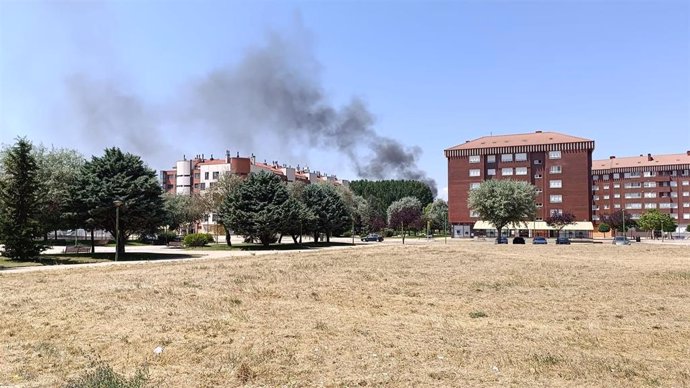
{"type": "Point", "coordinates": [77, 249]}
{"type": "Point", "coordinates": [174, 244]}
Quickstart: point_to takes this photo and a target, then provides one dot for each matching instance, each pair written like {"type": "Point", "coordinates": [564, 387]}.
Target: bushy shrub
{"type": "Point", "coordinates": [197, 239]}
{"type": "Point", "coordinates": [388, 232]}
{"type": "Point", "coordinates": [347, 233]}
{"type": "Point", "coordinates": [166, 236]}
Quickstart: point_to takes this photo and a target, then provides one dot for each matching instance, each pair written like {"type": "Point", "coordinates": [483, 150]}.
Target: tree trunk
{"type": "Point", "coordinates": [316, 237]}
{"type": "Point", "coordinates": [294, 238]}
{"type": "Point", "coordinates": [55, 235]}
{"type": "Point", "coordinates": [120, 245]}
{"type": "Point", "coordinates": [93, 243]}
{"type": "Point", "coordinates": [328, 237]}
{"type": "Point", "coordinates": [228, 240]}
{"type": "Point", "coordinates": [280, 239]}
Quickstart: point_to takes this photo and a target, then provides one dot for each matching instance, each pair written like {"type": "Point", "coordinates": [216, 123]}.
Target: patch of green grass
{"type": "Point", "coordinates": [6, 263]}
{"type": "Point", "coordinates": [478, 314]}
{"type": "Point", "coordinates": [102, 375]}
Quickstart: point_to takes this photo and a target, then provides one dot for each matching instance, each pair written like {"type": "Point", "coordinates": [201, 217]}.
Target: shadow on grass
{"type": "Point", "coordinates": [271, 247]}
{"type": "Point", "coordinates": [98, 257]}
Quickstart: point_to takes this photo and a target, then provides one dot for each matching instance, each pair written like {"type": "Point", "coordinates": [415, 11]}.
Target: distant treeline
{"type": "Point", "coordinates": [388, 191]}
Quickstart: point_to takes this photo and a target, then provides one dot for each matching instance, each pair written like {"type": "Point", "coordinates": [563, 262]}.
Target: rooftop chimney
{"type": "Point", "coordinates": [537, 132]}
{"type": "Point", "coordinates": [612, 157]}
{"type": "Point", "coordinates": [687, 153]}
{"type": "Point", "coordinates": [649, 157]}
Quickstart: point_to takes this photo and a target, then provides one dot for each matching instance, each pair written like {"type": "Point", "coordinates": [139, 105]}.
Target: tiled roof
{"type": "Point", "coordinates": [521, 139]}
{"type": "Point", "coordinates": [641, 161]}
{"type": "Point", "coordinates": [214, 161]}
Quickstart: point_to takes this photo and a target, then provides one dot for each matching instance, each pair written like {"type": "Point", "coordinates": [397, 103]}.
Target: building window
{"type": "Point", "coordinates": [650, 195]}
{"type": "Point", "coordinates": [556, 198]}
{"type": "Point", "coordinates": [196, 185]}
{"type": "Point", "coordinates": [506, 157]}
{"type": "Point", "coordinates": [616, 195]}
{"type": "Point", "coordinates": [595, 188]}
{"type": "Point", "coordinates": [595, 177]}
{"type": "Point", "coordinates": [686, 216]}
{"type": "Point", "coordinates": [674, 195]}
{"type": "Point", "coordinates": [686, 204]}
{"type": "Point", "coordinates": [197, 176]}
{"type": "Point", "coordinates": [474, 186]}
{"type": "Point", "coordinates": [606, 207]}
{"type": "Point", "coordinates": [605, 177]}
{"type": "Point", "coordinates": [521, 157]}
{"type": "Point", "coordinates": [633, 206]}
{"type": "Point", "coordinates": [491, 171]}
{"type": "Point", "coordinates": [595, 218]}
{"type": "Point", "coordinates": [664, 206]}
{"type": "Point", "coordinates": [537, 176]}
{"type": "Point", "coordinates": [650, 206]}
{"type": "Point", "coordinates": [554, 154]}
{"type": "Point", "coordinates": [475, 158]}
{"type": "Point", "coordinates": [686, 193]}
{"type": "Point", "coordinates": [521, 171]}
{"type": "Point", "coordinates": [633, 195]}
{"type": "Point", "coordinates": [673, 184]}
{"type": "Point", "coordinates": [634, 174]}
{"type": "Point", "coordinates": [616, 185]}
{"type": "Point", "coordinates": [206, 175]}
{"type": "Point", "coordinates": [616, 176]}
{"type": "Point", "coordinates": [607, 196]}
{"type": "Point", "coordinates": [633, 185]}
{"type": "Point", "coordinates": [606, 187]}
{"type": "Point", "coordinates": [537, 161]}
{"type": "Point", "coordinates": [556, 184]}
{"type": "Point", "coordinates": [555, 212]}
{"type": "Point", "coordinates": [506, 171]}
{"type": "Point", "coordinates": [648, 174]}
{"type": "Point", "coordinates": [685, 183]}
{"type": "Point", "coordinates": [540, 205]}
{"type": "Point", "coordinates": [555, 170]}
{"type": "Point", "coordinates": [596, 198]}
{"type": "Point", "coordinates": [491, 158]}
{"type": "Point", "coordinates": [475, 172]}
{"type": "Point", "coordinates": [616, 205]}
{"type": "Point", "coordinates": [215, 174]}
{"type": "Point", "coordinates": [649, 184]}
{"type": "Point", "coordinates": [203, 186]}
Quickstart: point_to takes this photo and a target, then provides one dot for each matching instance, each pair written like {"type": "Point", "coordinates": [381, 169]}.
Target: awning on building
{"type": "Point", "coordinates": [535, 225]}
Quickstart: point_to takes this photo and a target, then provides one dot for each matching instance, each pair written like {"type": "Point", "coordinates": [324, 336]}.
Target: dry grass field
{"type": "Point", "coordinates": [462, 314]}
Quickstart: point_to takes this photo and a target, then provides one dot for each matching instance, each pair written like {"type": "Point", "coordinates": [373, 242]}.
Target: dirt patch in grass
{"type": "Point", "coordinates": [462, 314]}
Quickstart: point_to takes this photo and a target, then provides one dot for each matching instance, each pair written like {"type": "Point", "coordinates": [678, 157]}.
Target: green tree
{"type": "Point", "coordinates": [604, 228]}
{"type": "Point", "coordinates": [651, 221]}
{"type": "Point", "coordinates": [183, 210]}
{"type": "Point", "coordinates": [560, 221]}
{"type": "Point", "coordinates": [118, 176]}
{"type": "Point", "coordinates": [257, 208]}
{"type": "Point", "coordinates": [21, 199]}
{"type": "Point", "coordinates": [58, 170]}
{"type": "Point", "coordinates": [389, 191]}
{"type": "Point", "coordinates": [502, 202]}
{"type": "Point", "coordinates": [406, 212]}
{"type": "Point", "coordinates": [216, 195]}
{"type": "Point", "coordinates": [332, 214]}
{"type": "Point", "coordinates": [436, 213]}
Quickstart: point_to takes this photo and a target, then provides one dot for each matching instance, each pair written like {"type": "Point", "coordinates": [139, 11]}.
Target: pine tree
{"type": "Point", "coordinates": [20, 201]}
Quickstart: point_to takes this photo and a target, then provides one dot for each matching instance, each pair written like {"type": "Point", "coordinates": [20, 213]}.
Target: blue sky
{"type": "Point", "coordinates": [432, 74]}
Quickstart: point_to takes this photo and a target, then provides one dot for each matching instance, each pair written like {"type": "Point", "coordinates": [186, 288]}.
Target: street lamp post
{"type": "Point", "coordinates": [117, 204]}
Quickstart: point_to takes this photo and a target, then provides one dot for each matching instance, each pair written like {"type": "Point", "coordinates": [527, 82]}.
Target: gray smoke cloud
{"type": "Point", "coordinates": [273, 92]}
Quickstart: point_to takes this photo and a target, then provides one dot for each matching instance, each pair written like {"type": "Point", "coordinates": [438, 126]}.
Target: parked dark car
{"type": "Point", "coordinates": [539, 240]}
{"type": "Point", "coordinates": [501, 240]}
{"type": "Point", "coordinates": [563, 241]}
{"type": "Point", "coordinates": [518, 240]}
{"type": "Point", "coordinates": [372, 237]}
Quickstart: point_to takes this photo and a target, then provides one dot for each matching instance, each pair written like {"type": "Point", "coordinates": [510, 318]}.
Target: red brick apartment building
{"type": "Point", "coordinates": [641, 183]}
{"type": "Point", "coordinates": [558, 165]}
